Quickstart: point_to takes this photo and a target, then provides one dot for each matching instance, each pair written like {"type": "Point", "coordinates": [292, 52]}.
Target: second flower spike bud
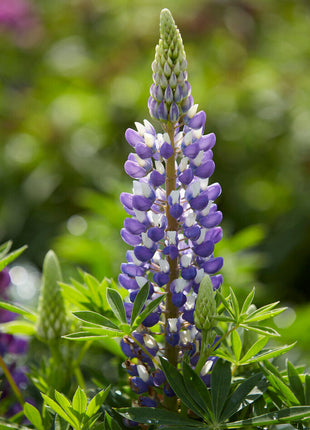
{"type": "Point", "coordinates": [52, 322]}
{"type": "Point", "coordinates": [205, 305]}
{"type": "Point", "coordinates": [170, 93]}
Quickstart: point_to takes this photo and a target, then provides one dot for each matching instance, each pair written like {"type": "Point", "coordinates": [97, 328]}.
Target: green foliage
{"type": "Point", "coordinates": [7, 257]}
{"type": "Point", "coordinates": [79, 414]}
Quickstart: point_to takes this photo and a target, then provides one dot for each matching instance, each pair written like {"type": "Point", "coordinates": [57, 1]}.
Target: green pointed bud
{"type": "Point", "coordinates": [52, 322]}
{"type": "Point", "coordinates": [169, 68]}
{"type": "Point", "coordinates": [205, 307]}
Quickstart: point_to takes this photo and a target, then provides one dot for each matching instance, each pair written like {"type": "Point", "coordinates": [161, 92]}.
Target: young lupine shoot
{"type": "Point", "coordinates": [52, 320]}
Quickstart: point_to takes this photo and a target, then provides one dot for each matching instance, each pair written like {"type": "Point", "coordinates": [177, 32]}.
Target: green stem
{"type": "Point", "coordinates": [171, 310]}
{"type": "Point", "coordinates": [11, 382]}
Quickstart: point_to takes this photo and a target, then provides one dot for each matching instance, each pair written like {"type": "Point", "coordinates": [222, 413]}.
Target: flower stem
{"type": "Point", "coordinates": [11, 381]}
{"type": "Point", "coordinates": [171, 310]}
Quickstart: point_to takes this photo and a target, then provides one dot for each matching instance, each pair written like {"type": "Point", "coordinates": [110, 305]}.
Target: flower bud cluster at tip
{"type": "Point", "coordinates": [52, 320]}
{"type": "Point", "coordinates": [170, 93]}
{"type": "Point", "coordinates": [205, 306]}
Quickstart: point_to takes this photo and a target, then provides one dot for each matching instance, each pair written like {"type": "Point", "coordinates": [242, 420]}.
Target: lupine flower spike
{"type": "Point", "coordinates": [173, 223]}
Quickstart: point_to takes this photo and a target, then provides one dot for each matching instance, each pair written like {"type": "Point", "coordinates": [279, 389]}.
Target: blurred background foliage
{"type": "Point", "coordinates": [76, 73]}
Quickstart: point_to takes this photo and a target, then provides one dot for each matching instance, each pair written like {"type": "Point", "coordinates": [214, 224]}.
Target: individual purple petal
{"type": "Point", "coordinates": [4, 279]}
{"type": "Point", "coordinates": [166, 150]}
{"type": "Point", "coordinates": [143, 150]}
{"type": "Point", "coordinates": [168, 391]}
{"type": "Point", "coordinates": [186, 177]}
{"type": "Point", "coordinates": [213, 265]}
{"type": "Point", "coordinates": [178, 299]}
{"type": "Point", "coordinates": [174, 112]}
{"type": "Point", "coordinates": [138, 385]}
{"type": "Point", "coordinates": [178, 94]}
{"type": "Point", "coordinates": [151, 320]}
{"type": "Point", "coordinates": [162, 111]}
{"type": "Point", "coordinates": [130, 239]}
{"type": "Point", "coordinates": [128, 311]}
{"type": "Point", "coordinates": [155, 233]}
{"type": "Point", "coordinates": [161, 278]}
{"type": "Point", "coordinates": [133, 137]}
{"type": "Point", "coordinates": [158, 377]}
{"type": "Point", "coordinates": [126, 200]}
{"type": "Point", "coordinates": [198, 120]}
{"type": "Point", "coordinates": [168, 96]}
{"type": "Point", "coordinates": [192, 232]}
{"type": "Point", "coordinates": [214, 191]}
{"type": "Point", "coordinates": [205, 170]}
{"type": "Point", "coordinates": [207, 142]}
{"type": "Point", "coordinates": [157, 178]}
{"type": "Point", "coordinates": [204, 249]}
{"type": "Point", "coordinates": [173, 338]}
{"type": "Point", "coordinates": [132, 270]}
{"type": "Point", "coordinates": [215, 234]}
{"type": "Point", "coordinates": [146, 401]}
{"type": "Point", "coordinates": [188, 273]}
{"type": "Point", "coordinates": [134, 226]}
{"type": "Point", "coordinates": [141, 203]}
{"type": "Point", "coordinates": [152, 105]}
{"type": "Point", "coordinates": [134, 170]}
{"type": "Point", "coordinates": [172, 251]}
{"type": "Point", "coordinates": [143, 253]}
{"type": "Point", "coordinates": [188, 315]}
{"type": "Point", "coordinates": [217, 281]}
{"type": "Point", "coordinates": [176, 211]}
{"type": "Point", "coordinates": [186, 89]}
{"type": "Point", "coordinates": [199, 202]}
{"type": "Point", "coordinates": [191, 151]}
{"type": "Point", "coordinates": [210, 220]}
{"type": "Point", "coordinates": [187, 104]}
{"type": "Point", "coordinates": [127, 282]}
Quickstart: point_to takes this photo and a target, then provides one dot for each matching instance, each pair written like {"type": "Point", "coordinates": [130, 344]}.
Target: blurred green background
{"type": "Point", "coordinates": [76, 73]}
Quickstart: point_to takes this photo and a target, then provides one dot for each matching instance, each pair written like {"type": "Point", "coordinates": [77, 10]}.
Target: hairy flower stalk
{"type": "Point", "coordinates": [173, 224]}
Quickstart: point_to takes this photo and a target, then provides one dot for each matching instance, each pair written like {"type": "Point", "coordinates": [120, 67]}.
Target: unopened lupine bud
{"type": "Point", "coordinates": [205, 305]}
{"type": "Point", "coordinates": [170, 93]}
{"type": "Point", "coordinates": [51, 322]}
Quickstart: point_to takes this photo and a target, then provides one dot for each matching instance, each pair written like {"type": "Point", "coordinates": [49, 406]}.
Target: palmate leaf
{"type": "Point", "coordinates": [93, 335]}
{"type": "Point", "coordinates": [18, 327]}
{"type": "Point", "coordinates": [176, 382]}
{"type": "Point", "coordinates": [220, 386]}
{"type": "Point", "coordinates": [254, 349]}
{"type": "Point", "coordinates": [97, 401]}
{"type": "Point", "coordinates": [158, 416]}
{"type": "Point", "coordinates": [248, 301]}
{"type": "Point", "coordinates": [287, 415]}
{"type": "Point", "coordinates": [56, 408]}
{"type": "Point", "coordinates": [295, 383]}
{"type": "Point", "coordinates": [110, 423]}
{"type": "Point", "coordinates": [269, 331]}
{"type": "Point", "coordinates": [236, 344]}
{"type": "Point", "coordinates": [237, 400]}
{"type": "Point", "coordinates": [198, 390]}
{"type": "Point", "coordinates": [95, 318]}
{"type": "Point", "coordinates": [79, 401]}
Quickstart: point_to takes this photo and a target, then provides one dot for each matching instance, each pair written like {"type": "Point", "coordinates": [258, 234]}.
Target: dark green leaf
{"type": "Point", "coordinates": [139, 302]}
{"type": "Point", "coordinates": [110, 423]}
{"type": "Point", "coordinates": [147, 310]}
{"type": "Point", "coordinates": [33, 416]}
{"type": "Point", "coordinates": [282, 389]}
{"type": "Point", "coordinates": [283, 416]}
{"type": "Point", "coordinates": [239, 395]}
{"type": "Point", "coordinates": [157, 416]}
{"type": "Point", "coordinates": [220, 386]}
{"type": "Point", "coordinates": [116, 303]}
{"type": "Point", "coordinates": [295, 383]}
{"type": "Point", "coordinates": [197, 388]}
{"type": "Point", "coordinates": [307, 389]}
{"type": "Point", "coordinates": [177, 384]}
{"type": "Point", "coordinates": [95, 318]}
